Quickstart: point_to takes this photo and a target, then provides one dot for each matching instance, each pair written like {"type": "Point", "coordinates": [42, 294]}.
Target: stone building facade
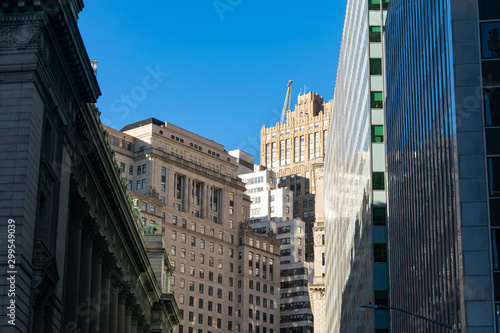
{"type": "Point", "coordinates": [188, 185]}
{"type": "Point", "coordinates": [80, 262]}
{"type": "Point", "coordinates": [292, 148]}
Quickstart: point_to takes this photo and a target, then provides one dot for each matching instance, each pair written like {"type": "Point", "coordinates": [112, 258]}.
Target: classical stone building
{"type": "Point", "coordinates": [80, 262]}
{"type": "Point", "coordinates": [189, 186]}
{"type": "Point", "coordinates": [292, 148]}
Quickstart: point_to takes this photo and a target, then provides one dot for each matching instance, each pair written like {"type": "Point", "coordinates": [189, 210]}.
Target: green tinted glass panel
{"type": "Point", "coordinates": [379, 216]}
{"type": "Point", "coordinates": [375, 66]}
{"type": "Point", "coordinates": [375, 34]}
{"type": "Point", "coordinates": [373, 4]}
{"type": "Point", "coordinates": [377, 133]}
{"type": "Point", "coordinates": [376, 100]}
{"type": "Point", "coordinates": [378, 181]}
{"type": "Point", "coordinates": [385, 4]}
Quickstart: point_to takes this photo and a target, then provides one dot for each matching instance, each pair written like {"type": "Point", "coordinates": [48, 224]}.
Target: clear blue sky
{"type": "Point", "coordinates": [228, 67]}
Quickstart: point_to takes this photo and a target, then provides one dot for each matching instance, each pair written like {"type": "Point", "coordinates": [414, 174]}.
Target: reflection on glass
{"type": "Point", "coordinates": [490, 40]}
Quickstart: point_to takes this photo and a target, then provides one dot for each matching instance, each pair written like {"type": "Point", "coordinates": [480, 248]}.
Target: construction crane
{"type": "Point", "coordinates": [286, 106]}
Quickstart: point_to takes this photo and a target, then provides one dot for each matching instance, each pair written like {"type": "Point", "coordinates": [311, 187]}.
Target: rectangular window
{"type": "Point", "coordinates": [163, 178]}
{"type": "Point", "coordinates": [489, 9]}
{"type": "Point", "coordinates": [379, 216]}
{"type": "Point", "coordinates": [274, 162]}
{"type": "Point", "coordinates": [377, 133]}
{"type": "Point", "coordinates": [373, 4]}
{"type": "Point", "coordinates": [129, 184]}
{"type": "Point", "coordinates": [178, 186]}
{"type": "Point", "coordinates": [268, 155]}
{"type": "Point", "coordinates": [231, 203]}
{"type": "Point", "coordinates": [375, 34]}
{"type": "Point", "coordinates": [138, 187]}
{"type": "Point", "coordinates": [316, 144]}
{"type": "Point", "coordinates": [302, 148]}
{"type": "Point", "coordinates": [143, 183]}
{"type": "Point", "coordinates": [282, 152]}
{"type": "Point", "coordinates": [376, 100]}
{"type": "Point", "coordinates": [495, 212]}
{"type": "Point", "coordinates": [287, 151]}
{"type": "Point", "coordinates": [490, 40]}
{"type": "Point", "coordinates": [494, 176]}
{"type": "Point", "coordinates": [380, 252]}
{"type": "Point", "coordinates": [311, 146]}
{"type": "Point", "coordinates": [376, 66]}
{"type": "Point", "coordinates": [296, 149]}
{"type": "Point", "coordinates": [378, 180]}
{"type": "Point", "coordinates": [492, 106]}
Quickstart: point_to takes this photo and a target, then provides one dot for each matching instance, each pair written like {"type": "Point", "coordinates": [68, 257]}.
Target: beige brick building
{"type": "Point", "coordinates": [293, 148]}
{"type": "Point", "coordinates": [189, 186]}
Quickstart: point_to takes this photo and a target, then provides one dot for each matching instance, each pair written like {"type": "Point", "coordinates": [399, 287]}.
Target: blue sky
{"type": "Point", "coordinates": [217, 68]}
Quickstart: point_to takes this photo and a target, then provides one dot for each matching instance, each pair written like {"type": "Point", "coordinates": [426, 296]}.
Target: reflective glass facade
{"type": "Point", "coordinates": [355, 197]}
{"type": "Point", "coordinates": [442, 168]}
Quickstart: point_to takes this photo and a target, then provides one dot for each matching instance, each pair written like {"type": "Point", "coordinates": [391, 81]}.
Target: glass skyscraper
{"type": "Point", "coordinates": [443, 163]}
{"type": "Point", "coordinates": [355, 197]}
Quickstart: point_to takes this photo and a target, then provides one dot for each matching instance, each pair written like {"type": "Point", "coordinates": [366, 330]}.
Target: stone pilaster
{"type": "Point", "coordinates": [85, 281]}
{"type": "Point", "coordinates": [114, 308]}
{"type": "Point", "coordinates": [121, 313]}
{"type": "Point", "coordinates": [95, 290]}
{"type": "Point", "coordinates": [72, 272]}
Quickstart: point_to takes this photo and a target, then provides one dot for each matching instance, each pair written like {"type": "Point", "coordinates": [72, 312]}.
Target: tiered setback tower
{"type": "Point", "coordinates": [355, 197]}
{"type": "Point", "coordinates": [189, 186]}
{"type": "Point", "coordinates": [292, 148]}
{"type": "Point", "coordinates": [443, 130]}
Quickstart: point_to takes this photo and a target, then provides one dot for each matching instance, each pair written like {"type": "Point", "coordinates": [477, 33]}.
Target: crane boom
{"type": "Point", "coordinates": [286, 105]}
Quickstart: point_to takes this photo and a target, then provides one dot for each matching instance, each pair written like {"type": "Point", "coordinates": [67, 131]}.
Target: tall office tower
{"type": "Point", "coordinates": [271, 215]}
{"type": "Point", "coordinates": [189, 186]}
{"type": "Point", "coordinates": [443, 118]}
{"type": "Point", "coordinates": [292, 148]}
{"type": "Point", "coordinates": [355, 197]}
{"type": "Point", "coordinates": [73, 256]}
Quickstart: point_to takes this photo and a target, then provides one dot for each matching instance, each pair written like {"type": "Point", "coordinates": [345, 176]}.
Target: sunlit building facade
{"type": "Point", "coordinates": [226, 276]}
{"type": "Point", "coordinates": [355, 196]}
{"type": "Point", "coordinates": [291, 150]}
{"type": "Point", "coordinates": [443, 146]}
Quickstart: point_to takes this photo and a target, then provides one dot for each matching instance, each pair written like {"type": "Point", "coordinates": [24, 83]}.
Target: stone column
{"type": "Point", "coordinates": [95, 289]}
{"type": "Point", "coordinates": [72, 274]}
{"type": "Point", "coordinates": [134, 325]}
{"type": "Point", "coordinates": [128, 319]}
{"type": "Point", "coordinates": [85, 282]}
{"type": "Point", "coordinates": [121, 313]}
{"type": "Point", "coordinates": [113, 308]}
{"type": "Point", "coordinates": [106, 297]}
